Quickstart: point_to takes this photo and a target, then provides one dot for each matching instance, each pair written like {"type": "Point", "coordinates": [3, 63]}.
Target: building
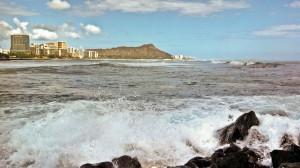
{"type": "Point", "coordinates": [90, 54]}
{"type": "Point", "coordinates": [75, 52]}
{"type": "Point", "coordinates": [20, 43]}
{"type": "Point", "coordinates": [50, 49]}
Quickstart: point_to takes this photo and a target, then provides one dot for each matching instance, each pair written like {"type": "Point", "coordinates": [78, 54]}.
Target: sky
{"type": "Point", "coordinates": [205, 29]}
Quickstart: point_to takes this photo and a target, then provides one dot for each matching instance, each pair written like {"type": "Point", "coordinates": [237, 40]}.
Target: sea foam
{"type": "Point", "coordinates": [162, 133]}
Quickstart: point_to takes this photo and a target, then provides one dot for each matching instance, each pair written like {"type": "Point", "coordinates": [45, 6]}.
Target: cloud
{"type": "Point", "coordinates": [67, 30]}
{"type": "Point", "coordinates": [291, 30]}
{"type": "Point", "coordinates": [43, 34]}
{"type": "Point", "coordinates": [294, 4]}
{"type": "Point", "coordinates": [11, 9]}
{"type": "Point", "coordinates": [59, 4]}
{"type": "Point", "coordinates": [21, 26]}
{"type": "Point", "coordinates": [46, 32]}
{"type": "Point", "coordinates": [5, 29]}
{"type": "Point", "coordinates": [187, 7]}
{"type": "Point", "coordinates": [91, 29]}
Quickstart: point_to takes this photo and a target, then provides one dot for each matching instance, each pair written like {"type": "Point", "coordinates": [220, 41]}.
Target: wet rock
{"type": "Point", "coordinates": [198, 162]}
{"type": "Point", "coordinates": [232, 149]}
{"type": "Point", "coordinates": [126, 162]}
{"type": "Point", "coordinates": [98, 165]}
{"type": "Point", "coordinates": [264, 65]}
{"type": "Point", "coordinates": [256, 137]}
{"type": "Point", "coordinates": [286, 141]}
{"type": "Point", "coordinates": [280, 113]}
{"type": "Point", "coordinates": [290, 165]}
{"type": "Point", "coordinates": [239, 129]}
{"type": "Point", "coordinates": [291, 155]}
{"type": "Point", "coordinates": [234, 157]}
{"type": "Point", "coordinates": [217, 154]}
{"type": "Point", "coordinates": [233, 160]}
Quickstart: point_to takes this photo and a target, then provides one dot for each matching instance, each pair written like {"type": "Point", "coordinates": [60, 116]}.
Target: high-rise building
{"type": "Point", "coordinates": [20, 43]}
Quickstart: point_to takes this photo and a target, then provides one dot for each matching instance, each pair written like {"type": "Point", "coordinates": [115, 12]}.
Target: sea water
{"type": "Point", "coordinates": [67, 113]}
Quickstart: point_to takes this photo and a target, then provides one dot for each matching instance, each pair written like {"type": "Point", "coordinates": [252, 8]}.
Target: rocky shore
{"type": "Point", "coordinates": [231, 156]}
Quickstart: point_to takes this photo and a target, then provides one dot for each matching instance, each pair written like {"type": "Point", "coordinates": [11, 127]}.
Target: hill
{"type": "Point", "coordinates": [147, 51]}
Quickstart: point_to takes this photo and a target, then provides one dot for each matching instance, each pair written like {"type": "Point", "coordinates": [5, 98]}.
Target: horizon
{"type": "Point", "coordinates": [210, 29]}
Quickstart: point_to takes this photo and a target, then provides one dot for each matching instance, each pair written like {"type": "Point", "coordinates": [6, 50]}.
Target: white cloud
{"type": "Point", "coordinates": [295, 4]}
{"type": "Point", "coordinates": [5, 29]}
{"type": "Point", "coordinates": [291, 30]}
{"type": "Point", "coordinates": [59, 4]}
{"type": "Point", "coordinates": [187, 7]}
{"type": "Point", "coordinates": [66, 30]}
{"type": "Point", "coordinates": [91, 29]}
{"type": "Point", "coordinates": [21, 26]}
{"type": "Point", "coordinates": [43, 34]}
{"type": "Point", "coordinates": [11, 9]}
{"type": "Point", "coordinates": [46, 32]}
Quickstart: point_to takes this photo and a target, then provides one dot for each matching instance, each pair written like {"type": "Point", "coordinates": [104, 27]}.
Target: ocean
{"type": "Point", "coordinates": [64, 113]}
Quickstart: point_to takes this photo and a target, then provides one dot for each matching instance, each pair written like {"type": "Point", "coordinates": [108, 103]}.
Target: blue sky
{"type": "Point", "coordinates": [207, 29]}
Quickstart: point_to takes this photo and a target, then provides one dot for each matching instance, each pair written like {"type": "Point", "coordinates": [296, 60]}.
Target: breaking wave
{"type": "Point", "coordinates": [159, 133]}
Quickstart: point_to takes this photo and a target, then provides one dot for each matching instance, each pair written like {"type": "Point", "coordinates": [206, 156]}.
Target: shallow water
{"type": "Point", "coordinates": [67, 113]}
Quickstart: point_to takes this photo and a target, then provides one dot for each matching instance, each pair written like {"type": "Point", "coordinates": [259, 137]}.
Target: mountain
{"type": "Point", "coordinates": [147, 51]}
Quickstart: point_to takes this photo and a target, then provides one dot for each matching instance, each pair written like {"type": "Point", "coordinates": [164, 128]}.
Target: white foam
{"type": "Point", "coordinates": [91, 131]}
{"type": "Point", "coordinates": [42, 63]}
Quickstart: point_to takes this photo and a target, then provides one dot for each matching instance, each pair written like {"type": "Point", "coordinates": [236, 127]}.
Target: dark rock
{"type": "Point", "coordinates": [217, 154]}
{"type": "Point", "coordinates": [232, 149]}
{"type": "Point", "coordinates": [281, 156]}
{"type": "Point", "coordinates": [126, 162]}
{"type": "Point", "coordinates": [233, 160]}
{"type": "Point", "coordinates": [286, 141]}
{"type": "Point", "coordinates": [234, 157]}
{"type": "Point", "coordinates": [264, 65]}
{"type": "Point", "coordinates": [198, 162]}
{"type": "Point", "coordinates": [98, 165]}
{"type": "Point", "coordinates": [290, 165]}
{"type": "Point", "coordinates": [239, 129]}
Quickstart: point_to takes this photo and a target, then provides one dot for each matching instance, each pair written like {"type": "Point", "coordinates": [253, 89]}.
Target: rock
{"type": "Point", "coordinates": [264, 65]}
{"type": "Point", "coordinates": [217, 154]}
{"type": "Point", "coordinates": [98, 165]}
{"type": "Point", "coordinates": [280, 113]}
{"type": "Point", "coordinates": [256, 137]}
{"type": "Point", "coordinates": [232, 149]}
{"type": "Point", "coordinates": [281, 156]}
{"type": "Point", "coordinates": [286, 141]}
{"type": "Point", "coordinates": [233, 160]}
{"type": "Point", "coordinates": [290, 165]}
{"type": "Point", "coordinates": [198, 162]}
{"type": "Point", "coordinates": [126, 162]}
{"type": "Point", "coordinates": [239, 129]}
{"type": "Point", "coordinates": [234, 157]}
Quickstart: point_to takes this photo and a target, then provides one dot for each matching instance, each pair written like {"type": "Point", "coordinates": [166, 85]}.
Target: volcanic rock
{"type": "Point", "coordinates": [126, 162]}
{"type": "Point", "coordinates": [239, 129]}
{"type": "Point", "coordinates": [291, 155]}
{"type": "Point", "coordinates": [98, 165]}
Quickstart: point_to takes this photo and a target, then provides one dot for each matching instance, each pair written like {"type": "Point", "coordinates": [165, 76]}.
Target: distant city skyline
{"type": "Point", "coordinates": [205, 29]}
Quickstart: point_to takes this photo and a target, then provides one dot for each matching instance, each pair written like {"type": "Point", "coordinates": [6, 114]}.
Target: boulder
{"type": "Point", "coordinates": [126, 162]}
{"type": "Point", "coordinates": [98, 165]}
{"type": "Point", "coordinates": [290, 165]}
{"type": "Point", "coordinates": [198, 162]}
{"type": "Point", "coordinates": [290, 155]}
{"type": "Point", "coordinates": [234, 157]}
{"type": "Point", "coordinates": [286, 141]}
{"type": "Point", "coordinates": [239, 129]}
{"type": "Point", "coordinates": [232, 149]}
